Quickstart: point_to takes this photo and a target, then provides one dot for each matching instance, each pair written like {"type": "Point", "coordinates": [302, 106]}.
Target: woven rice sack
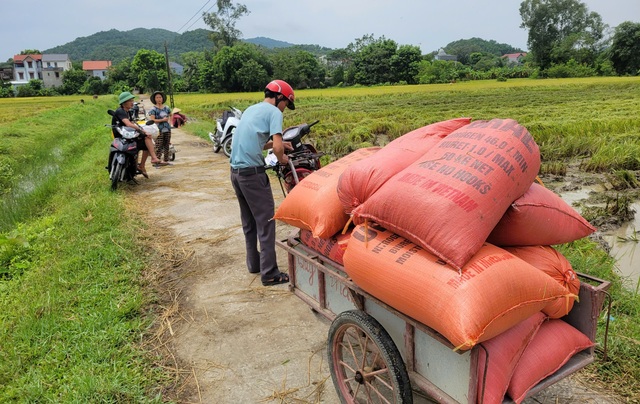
{"type": "Point", "coordinates": [313, 204]}
{"type": "Point", "coordinates": [452, 197]}
{"type": "Point", "coordinates": [504, 352]}
{"type": "Point", "coordinates": [554, 264]}
{"type": "Point", "coordinates": [365, 177]}
{"type": "Point", "coordinates": [332, 247]}
{"type": "Point", "coordinates": [552, 346]}
{"type": "Point", "coordinates": [495, 291]}
{"type": "Point", "coordinates": [539, 217]}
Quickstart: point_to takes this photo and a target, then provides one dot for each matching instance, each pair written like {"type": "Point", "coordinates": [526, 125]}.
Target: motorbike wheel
{"type": "Point", "coordinates": [226, 146]}
{"type": "Point", "coordinates": [116, 173]}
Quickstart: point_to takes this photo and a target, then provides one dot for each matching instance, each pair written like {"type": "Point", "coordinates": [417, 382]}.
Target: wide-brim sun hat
{"type": "Point", "coordinates": [153, 96]}
{"type": "Point", "coordinates": [125, 96]}
{"type": "Point", "coordinates": [175, 110]}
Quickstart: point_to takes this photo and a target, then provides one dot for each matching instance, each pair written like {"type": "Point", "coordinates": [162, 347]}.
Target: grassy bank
{"type": "Point", "coordinates": [71, 296]}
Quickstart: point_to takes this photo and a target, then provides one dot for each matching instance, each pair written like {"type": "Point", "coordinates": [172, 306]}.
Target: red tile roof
{"type": "Point", "coordinates": [514, 55]}
{"type": "Point", "coordinates": [96, 64]}
{"type": "Point", "coordinates": [20, 58]}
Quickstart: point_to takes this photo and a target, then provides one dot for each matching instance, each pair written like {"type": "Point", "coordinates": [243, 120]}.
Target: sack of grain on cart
{"type": "Point", "coordinates": [447, 201]}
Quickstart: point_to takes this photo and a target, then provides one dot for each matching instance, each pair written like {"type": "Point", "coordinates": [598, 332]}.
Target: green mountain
{"type": "Point", "coordinates": [117, 45]}
{"type": "Point", "coordinates": [268, 42]}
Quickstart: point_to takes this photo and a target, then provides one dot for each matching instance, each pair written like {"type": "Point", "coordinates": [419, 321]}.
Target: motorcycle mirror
{"type": "Point", "coordinates": [111, 112]}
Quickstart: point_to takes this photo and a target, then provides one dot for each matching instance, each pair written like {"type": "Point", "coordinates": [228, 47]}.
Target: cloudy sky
{"type": "Point", "coordinates": [41, 24]}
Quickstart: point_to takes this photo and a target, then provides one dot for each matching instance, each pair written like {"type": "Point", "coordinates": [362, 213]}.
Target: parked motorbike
{"type": "Point", "coordinates": [303, 159]}
{"type": "Point", "coordinates": [123, 153]}
{"type": "Point", "coordinates": [138, 112]}
{"type": "Point", "coordinates": [225, 127]}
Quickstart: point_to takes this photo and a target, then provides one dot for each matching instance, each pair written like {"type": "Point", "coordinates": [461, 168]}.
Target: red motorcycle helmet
{"type": "Point", "coordinates": [282, 87]}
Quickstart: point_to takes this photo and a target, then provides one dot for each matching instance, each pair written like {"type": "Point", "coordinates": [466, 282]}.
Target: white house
{"type": "Point", "coordinates": [25, 68]}
{"type": "Point", "coordinates": [514, 58]}
{"type": "Point", "coordinates": [442, 55]}
{"type": "Point", "coordinates": [53, 67]}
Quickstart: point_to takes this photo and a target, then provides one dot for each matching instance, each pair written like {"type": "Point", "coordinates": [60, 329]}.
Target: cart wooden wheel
{"type": "Point", "coordinates": [365, 364]}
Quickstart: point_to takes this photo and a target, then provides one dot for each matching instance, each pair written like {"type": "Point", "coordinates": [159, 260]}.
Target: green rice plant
{"type": "Point", "coordinates": [622, 180]}
{"type": "Point", "coordinates": [553, 168]}
{"type": "Point", "coordinates": [617, 207]}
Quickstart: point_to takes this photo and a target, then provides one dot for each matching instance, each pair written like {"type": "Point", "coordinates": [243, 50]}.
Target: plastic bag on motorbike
{"type": "Point", "coordinates": [152, 130]}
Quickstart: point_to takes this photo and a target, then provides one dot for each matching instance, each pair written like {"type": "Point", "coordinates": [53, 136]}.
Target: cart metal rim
{"type": "Point", "coordinates": [365, 364]}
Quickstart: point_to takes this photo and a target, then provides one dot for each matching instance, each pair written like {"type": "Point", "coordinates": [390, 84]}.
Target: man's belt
{"type": "Point", "coordinates": [248, 170]}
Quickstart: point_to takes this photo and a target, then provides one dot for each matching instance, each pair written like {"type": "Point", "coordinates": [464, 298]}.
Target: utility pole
{"type": "Point", "coordinates": [166, 58]}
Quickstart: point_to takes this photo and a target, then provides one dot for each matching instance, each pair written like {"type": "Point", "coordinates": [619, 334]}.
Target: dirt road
{"type": "Point", "coordinates": [225, 337]}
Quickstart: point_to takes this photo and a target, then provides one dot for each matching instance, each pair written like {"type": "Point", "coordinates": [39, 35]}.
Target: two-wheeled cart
{"type": "Point", "coordinates": [378, 354]}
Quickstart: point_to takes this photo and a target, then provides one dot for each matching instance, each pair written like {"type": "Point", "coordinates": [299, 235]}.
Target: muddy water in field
{"type": "Point", "coordinates": [625, 249]}
{"type": "Point", "coordinates": [624, 241]}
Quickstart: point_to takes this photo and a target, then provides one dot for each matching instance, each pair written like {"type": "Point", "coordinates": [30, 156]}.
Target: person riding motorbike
{"type": "Point", "coordinates": [259, 123]}
{"type": "Point", "coordinates": [144, 141]}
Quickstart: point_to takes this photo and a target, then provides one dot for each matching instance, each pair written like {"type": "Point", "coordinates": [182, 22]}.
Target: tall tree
{"type": "Point", "coordinates": [73, 80]}
{"type": "Point", "coordinates": [560, 30]}
{"type": "Point", "coordinates": [372, 62]}
{"type": "Point", "coordinates": [149, 67]}
{"type": "Point", "coordinates": [625, 49]}
{"type": "Point", "coordinates": [405, 64]}
{"type": "Point", "coordinates": [298, 67]}
{"type": "Point", "coordinates": [229, 70]}
{"type": "Point", "coordinates": [223, 22]}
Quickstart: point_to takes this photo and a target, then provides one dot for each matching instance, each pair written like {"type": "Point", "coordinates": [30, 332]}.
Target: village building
{"type": "Point", "coordinates": [53, 68]}
{"type": "Point", "coordinates": [96, 68]}
{"type": "Point", "coordinates": [26, 68]}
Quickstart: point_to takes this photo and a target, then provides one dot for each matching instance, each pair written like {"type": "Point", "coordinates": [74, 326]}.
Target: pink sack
{"type": "Point", "coordinates": [554, 264]}
{"type": "Point", "coordinates": [504, 352]}
{"type": "Point", "coordinates": [365, 177]}
{"type": "Point", "coordinates": [554, 344]}
{"type": "Point", "coordinates": [539, 217]}
{"type": "Point", "coordinates": [450, 199]}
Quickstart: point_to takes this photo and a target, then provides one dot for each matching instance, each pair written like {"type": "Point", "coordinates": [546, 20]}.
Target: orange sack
{"type": "Point", "coordinates": [332, 247]}
{"type": "Point", "coordinates": [450, 199]}
{"type": "Point", "coordinates": [313, 204]}
{"type": "Point", "coordinates": [539, 217]}
{"type": "Point", "coordinates": [554, 264]}
{"type": "Point", "coordinates": [495, 291]}
{"type": "Point", "coordinates": [362, 179]}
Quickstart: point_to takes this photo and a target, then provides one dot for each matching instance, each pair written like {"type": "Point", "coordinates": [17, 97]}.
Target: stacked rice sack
{"type": "Point", "coordinates": [452, 231]}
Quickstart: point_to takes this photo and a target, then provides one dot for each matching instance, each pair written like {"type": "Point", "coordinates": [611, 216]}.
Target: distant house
{"type": "Point", "coordinates": [176, 67]}
{"type": "Point", "coordinates": [53, 66]}
{"type": "Point", "coordinates": [442, 55]}
{"type": "Point", "coordinates": [25, 68]}
{"type": "Point", "coordinates": [514, 58]}
{"type": "Point", "coordinates": [96, 68]}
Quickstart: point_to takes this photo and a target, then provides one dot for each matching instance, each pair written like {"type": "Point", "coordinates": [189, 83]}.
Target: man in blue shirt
{"type": "Point", "coordinates": [259, 129]}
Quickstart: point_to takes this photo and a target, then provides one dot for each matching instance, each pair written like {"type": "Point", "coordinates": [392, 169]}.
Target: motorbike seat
{"type": "Point", "coordinates": [225, 116]}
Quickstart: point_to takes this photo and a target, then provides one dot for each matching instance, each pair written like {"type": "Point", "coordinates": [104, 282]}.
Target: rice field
{"type": "Point", "coordinates": [595, 119]}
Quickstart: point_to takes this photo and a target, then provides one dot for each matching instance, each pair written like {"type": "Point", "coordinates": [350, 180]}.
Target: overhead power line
{"type": "Point", "coordinates": [196, 14]}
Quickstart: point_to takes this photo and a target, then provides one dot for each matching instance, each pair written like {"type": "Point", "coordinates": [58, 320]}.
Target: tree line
{"type": "Point", "coordinates": [565, 39]}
